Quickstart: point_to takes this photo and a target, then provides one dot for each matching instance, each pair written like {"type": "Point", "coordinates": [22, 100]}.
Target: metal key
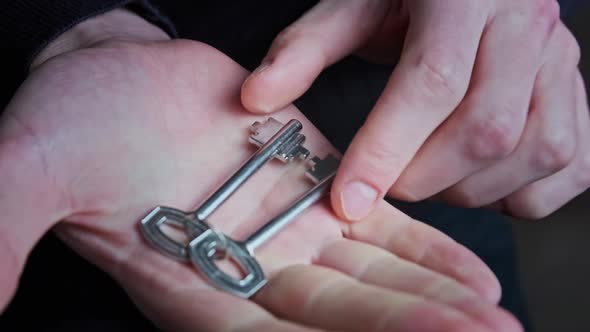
{"type": "Point", "coordinates": [264, 131]}
{"type": "Point", "coordinates": [203, 250]}
{"type": "Point", "coordinates": [274, 139]}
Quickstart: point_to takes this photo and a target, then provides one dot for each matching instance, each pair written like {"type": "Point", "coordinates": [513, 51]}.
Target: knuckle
{"type": "Point", "coordinates": [545, 16]}
{"type": "Point", "coordinates": [379, 157]}
{"type": "Point", "coordinates": [535, 20]}
{"type": "Point", "coordinates": [490, 139]}
{"type": "Point", "coordinates": [570, 50]}
{"type": "Point", "coordinates": [555, 151]}
{"type": "Point", "coordinates": [547, 10]}
{"type": "Point", "coordinates": [442, 76]}
{"type": "Point", "coordinates": [527, 206]}
{"type": "Point", "coordinates": [286, 36]}
{"type": "Point", "coordinates": [376, 150]}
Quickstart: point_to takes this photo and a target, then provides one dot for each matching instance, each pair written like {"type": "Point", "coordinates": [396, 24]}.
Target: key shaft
{"type": "Point", "coordinates": [278, 223]}
{"type": "Point", "coordinates": [265, 153]}
{"type": "Point", "coordinates": [321, 172]}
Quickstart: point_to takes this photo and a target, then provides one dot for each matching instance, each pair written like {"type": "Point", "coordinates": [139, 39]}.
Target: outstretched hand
{"type": "Point", "coordinates": [97, 137]}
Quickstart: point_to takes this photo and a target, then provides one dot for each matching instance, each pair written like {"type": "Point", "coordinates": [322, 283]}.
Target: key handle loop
{"type": "Point", "coordinates": [203, 254]}
{"type": "Point", "coordinates": [151, 227]}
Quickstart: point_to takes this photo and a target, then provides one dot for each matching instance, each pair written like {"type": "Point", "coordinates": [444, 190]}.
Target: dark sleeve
{"type": "Point", "coordinates": [27, 26]}
{"type": "Point", "coordinates": [568, 7]}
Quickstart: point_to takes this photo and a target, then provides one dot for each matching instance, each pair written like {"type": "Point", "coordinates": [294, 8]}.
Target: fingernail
{"type": "Point", "coordinates": [357, 200]}
{"type": "Point", "coordinates": [254, 101]}
{"type": "Point", "coordinates": [263, 66]}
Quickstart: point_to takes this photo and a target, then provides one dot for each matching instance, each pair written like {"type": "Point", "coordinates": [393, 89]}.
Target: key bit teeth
{"type": "Point", "coordinates": [321, 169]}
{"type": "Point", "coordinates": [262, 132]}
{"type": "Point", "coordinates": [294, 149]}
{"type": "Point", "coordinates": [254, 128]}
{"type": "Point", "coordinates": [302, 153]}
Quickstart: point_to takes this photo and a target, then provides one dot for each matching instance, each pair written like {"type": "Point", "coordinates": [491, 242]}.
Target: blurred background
{"type": "Point", "coordinates": [554, 253]}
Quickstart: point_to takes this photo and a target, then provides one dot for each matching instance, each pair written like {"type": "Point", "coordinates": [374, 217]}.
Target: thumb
{"type": "Point", "coordinates": [28, 206]}
{"type": "Point", "coordinates": [327, 33]}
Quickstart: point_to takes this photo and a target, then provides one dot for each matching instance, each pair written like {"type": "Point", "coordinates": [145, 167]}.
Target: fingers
{"type": "Point", "coordinates": [322, 297]}
{"type": "Point", "coordinates": [172, 295]}
{"type": "Point", "coordinates": [209, 310]}
{"type": "Point", "coordinates": [324, 35]}
{"type": "Point", "coordinates": [541, 198]}
{"type": "Point", "coordinates": [423, 245]}
{"type": "Point", "coordinates": [427, 84]}
{"type": "Point", "coordinates": [550, 137]}
{"type": "Point", "coordinates": [372, 265]}
{"type": "Point", "coordinates": [489, 122]}
{"type": "Point", "coordinates": [272, 324]}
{"type": "Point", "coordinates": [30, 202]}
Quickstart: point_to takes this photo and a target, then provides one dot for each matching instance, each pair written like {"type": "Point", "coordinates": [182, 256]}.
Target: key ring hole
{"type": "Point", "coordinates": [218, 249]}
{"type": "Point", "coordinates": [225, 261]}
{"type": "Point", "coordinates": [238, 273]}
{"type": "Point", "coordinates": [175, 232]}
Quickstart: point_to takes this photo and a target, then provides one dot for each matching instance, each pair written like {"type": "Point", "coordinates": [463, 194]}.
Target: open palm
{"type": "Point", "coordinates": [109, 132]}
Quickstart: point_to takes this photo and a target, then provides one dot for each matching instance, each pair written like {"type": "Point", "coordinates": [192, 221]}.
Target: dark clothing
{"type": "Point", "coordinates": [54, 293]}
{"type": "Point", "coordinates": [26, 27]}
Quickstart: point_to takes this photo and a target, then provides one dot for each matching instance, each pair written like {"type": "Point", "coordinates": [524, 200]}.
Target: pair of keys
{"type": "Point", "coordinates": [207, 245]}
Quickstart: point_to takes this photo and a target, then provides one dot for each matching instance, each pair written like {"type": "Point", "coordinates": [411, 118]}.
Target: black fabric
{"type": "Point", "coordinates": [26, 27]}
{"type": "Point", "coordinates": [569, 6]}
{"type": "Point", "coordinates": [61, 292]}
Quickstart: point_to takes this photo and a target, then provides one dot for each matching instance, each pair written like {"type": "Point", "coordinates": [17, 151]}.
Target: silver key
{"type": "Point", "coordinates": [274, 140]}
{"type": "Point", "coordinates": [151, 227]}
{"type": "Point", "coordinates": [262, 132]}
{"type": "Point", "coordinates": [204, 250]}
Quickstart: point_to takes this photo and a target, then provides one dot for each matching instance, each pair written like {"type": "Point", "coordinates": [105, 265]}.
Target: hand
{"type": "Point", "coordinates": [97, 137]}
{"type": "Point", "coordinates": [485, 108]}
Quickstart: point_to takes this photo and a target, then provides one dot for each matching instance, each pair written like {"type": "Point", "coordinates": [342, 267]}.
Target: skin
{"type": "Point", "coordinates": [485, 108]}
{"type": "Point", "coordinates": [107, 132]}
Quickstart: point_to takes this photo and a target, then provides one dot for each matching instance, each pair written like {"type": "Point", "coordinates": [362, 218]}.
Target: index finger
{"type": "Point", "coordinates": [427, 85]}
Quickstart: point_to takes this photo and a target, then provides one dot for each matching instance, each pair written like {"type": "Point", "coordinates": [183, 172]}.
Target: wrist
{"type": "Point", "coordinates": [118, 24]}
